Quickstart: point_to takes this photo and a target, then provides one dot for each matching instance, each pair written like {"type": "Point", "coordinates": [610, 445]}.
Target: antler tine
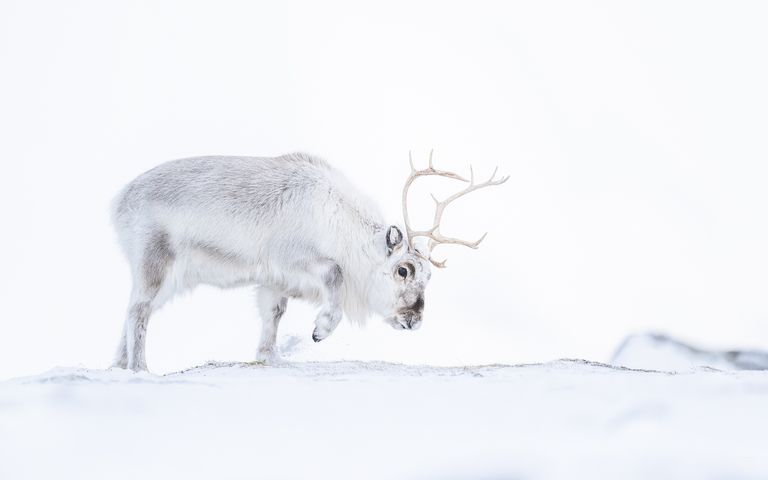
{"type": "Point", "coordinates": [477, 243]}
{"type": "Point", "coordinates": [433, 234]}
{"type": "Point", "coordinates": [436, 263]}
{"type": "Point", "coordinates": [491, 180]}
{"type": "Point", "coordinates": [410, 233]}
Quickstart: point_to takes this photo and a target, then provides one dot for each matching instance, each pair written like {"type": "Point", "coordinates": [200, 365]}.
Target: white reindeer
{"type": "Point", "coordinates": [291, 225]}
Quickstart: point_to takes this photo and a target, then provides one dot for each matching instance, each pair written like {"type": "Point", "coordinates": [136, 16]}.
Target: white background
{"type": "Point", "coordinates": [634, 134]}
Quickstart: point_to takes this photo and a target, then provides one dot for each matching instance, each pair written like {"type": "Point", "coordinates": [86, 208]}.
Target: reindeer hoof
{"type": "Point", "coordinates": [267, 357]}
{"type": "Point", "coordinates": [325, 324]}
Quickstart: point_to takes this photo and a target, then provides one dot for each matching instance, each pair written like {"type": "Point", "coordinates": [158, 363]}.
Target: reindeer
{"type": "Point", "coordinates": [291, 225]}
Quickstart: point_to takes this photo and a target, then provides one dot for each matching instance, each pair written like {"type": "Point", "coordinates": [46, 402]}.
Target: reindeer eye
{"type": "Point", "coordinates": [402, 271]}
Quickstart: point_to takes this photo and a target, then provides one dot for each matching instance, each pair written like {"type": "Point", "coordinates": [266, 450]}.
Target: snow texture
{"type": "Point", "coordinates": [372, 420]}
{"type": "Point", "coordinates": [661, 352]}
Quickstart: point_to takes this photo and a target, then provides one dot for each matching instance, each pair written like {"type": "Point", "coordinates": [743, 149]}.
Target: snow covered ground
{"type": "Point", "coordinates": [373, 420]}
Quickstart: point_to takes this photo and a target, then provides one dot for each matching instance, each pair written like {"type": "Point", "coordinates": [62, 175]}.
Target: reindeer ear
{"type": "Point", "coordinates": [394, 239]}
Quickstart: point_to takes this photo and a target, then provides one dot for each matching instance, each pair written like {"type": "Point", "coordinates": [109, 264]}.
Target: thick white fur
{"type": "Point", "coordinates": [292, 225]}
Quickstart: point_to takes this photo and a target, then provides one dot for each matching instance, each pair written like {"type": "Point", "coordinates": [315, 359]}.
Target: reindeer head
{"type": "Point", "coordinates": [407, 265]}
{"type": "Point", "coordinates": [407, 272]}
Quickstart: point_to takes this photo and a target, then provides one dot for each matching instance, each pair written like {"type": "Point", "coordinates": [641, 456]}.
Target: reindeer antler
{"type": "Point", "coordinates": [434, 235]}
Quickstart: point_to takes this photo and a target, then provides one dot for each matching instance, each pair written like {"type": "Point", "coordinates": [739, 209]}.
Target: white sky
{"type": "Point", "coordinates": [634, 132]}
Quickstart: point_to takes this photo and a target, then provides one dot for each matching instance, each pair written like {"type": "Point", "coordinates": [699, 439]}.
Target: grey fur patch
{"type": "Point", "coordinates": [157, 256]}
{"type": "Point", "coordinates": [139, 318]}
{"type": "Point", "coordinates": [333, 277]}
{"type": "Point", "coordinates": [217, 253]}
{"type": "Point", "coordinates": [279, 309]}
{"type": "Point", "coordinates": [294, 294]}
{"type": "Point", "coordinates": [140, 311]}
{"type": "Point", "coordinates": [418, 306]}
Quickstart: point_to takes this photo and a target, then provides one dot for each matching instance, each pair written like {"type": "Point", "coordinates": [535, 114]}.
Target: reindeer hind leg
{"type": "Point", "coordinates": [150, 278]}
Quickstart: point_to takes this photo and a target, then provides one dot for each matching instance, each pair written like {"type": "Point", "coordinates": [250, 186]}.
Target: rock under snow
{"type": "Point", "coordinates": [661, 352]}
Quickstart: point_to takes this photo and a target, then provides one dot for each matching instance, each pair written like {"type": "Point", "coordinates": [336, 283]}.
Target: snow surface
{"type": "Point", "coordinates": [371, 420]}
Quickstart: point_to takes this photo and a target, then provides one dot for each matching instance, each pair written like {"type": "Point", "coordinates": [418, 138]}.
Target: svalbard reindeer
{"type": "Point", "coordinates": [291, 225]}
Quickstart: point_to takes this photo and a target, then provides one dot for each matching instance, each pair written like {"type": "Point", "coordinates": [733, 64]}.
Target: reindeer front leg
{"type": "Point", "coordinates": [330, 315]}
